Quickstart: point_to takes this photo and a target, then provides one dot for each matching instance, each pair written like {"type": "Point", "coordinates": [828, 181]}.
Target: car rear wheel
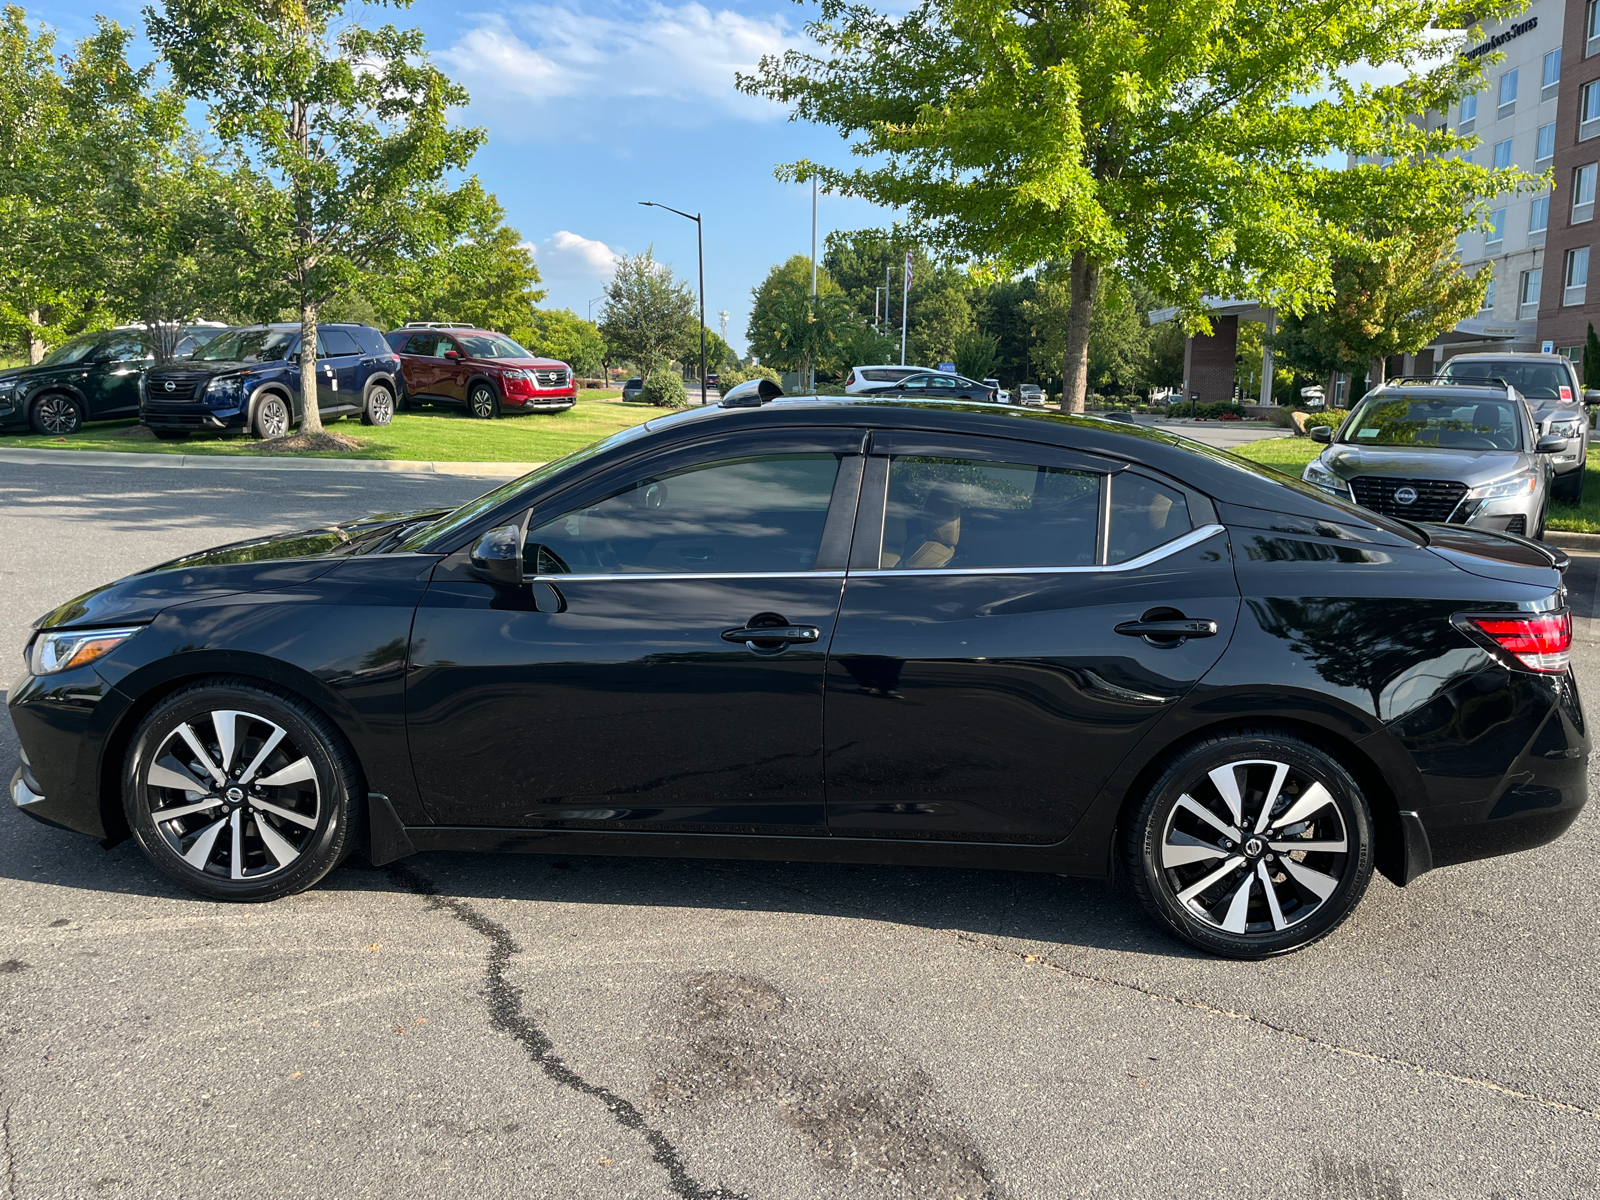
{"type": "Point", "coordinates": [272, 417]}
{"type": "Point", "coordinates": [483, 402]}
{"type": "Point", "coordinates": [239, 792]}
{"type": "Point", "coordinates": [1251, 844]}
{"type": "Point", "coordinates": [379, 409]}
{"type": "Point", "coordinates": [56, 415]}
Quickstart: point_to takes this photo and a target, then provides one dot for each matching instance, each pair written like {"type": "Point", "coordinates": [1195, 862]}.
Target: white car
{"type": "Point", "coordinates": [871, 379]}
{"type": "Point", "coordinates": [1030, 394]}
{"type": "Point", "coordinates": [1001, 395]}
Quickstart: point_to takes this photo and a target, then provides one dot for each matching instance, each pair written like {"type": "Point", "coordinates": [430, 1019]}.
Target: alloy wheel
{"type": "Point", "coordinates": [1255, 846]}
{"type": "Point", "coordinates": [380, 408]}
{"type": "Point", "coordinates": [273, 420]}
{"type": "Point", "coordinates": [57, 415]}
{"type": "Point", "coordinates": [483, 401]}
{"type": "Point", "coordinates": [233, 796]}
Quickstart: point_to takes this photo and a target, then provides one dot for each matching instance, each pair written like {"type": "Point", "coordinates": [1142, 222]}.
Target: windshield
{"type": "Point", "coordinates": [492, 345]}
{"type": "Point", "coordinates": [247, 345]}
{"type": "Point", "coordinates": [1451, 424]}
{"type": "Point", "coordinates": [70, 352]}
{"type": "Point", "coordinates": [1535, 380]}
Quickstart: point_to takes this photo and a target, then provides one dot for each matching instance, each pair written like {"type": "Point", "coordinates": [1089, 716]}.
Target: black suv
{"type": "Point", "coordinates": [94, 377]}
{"type": "Point", "coordinates": [248, 379]}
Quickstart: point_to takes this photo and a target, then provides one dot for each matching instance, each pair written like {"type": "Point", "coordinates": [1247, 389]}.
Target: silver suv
{"type": "Point", "coordinates": [1550, 385]}
{"type": "Point", "coordinates": [1432, 450]}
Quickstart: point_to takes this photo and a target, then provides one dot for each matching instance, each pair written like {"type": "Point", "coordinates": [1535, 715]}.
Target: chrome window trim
{"type": "Point", "coordinates": [575, 577]}
{"type": "Point", "coordinates": [1193, 538]}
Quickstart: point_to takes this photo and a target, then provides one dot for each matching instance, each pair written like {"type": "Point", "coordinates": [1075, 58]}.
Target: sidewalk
{"type": "Point", "coordinates": [259, 462]}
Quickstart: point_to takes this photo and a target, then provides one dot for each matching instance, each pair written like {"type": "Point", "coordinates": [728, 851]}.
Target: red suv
{"type": "Point", "coordinates": [482, 371]}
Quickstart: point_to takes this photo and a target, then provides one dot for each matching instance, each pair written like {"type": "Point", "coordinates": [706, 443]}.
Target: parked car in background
{"type": "Point", "coordinates": [93, 377]}
{"type": "Point", "coordinates": [713, 381]}
{"type": "Point", "coordinates": [247, 380]}
{"type": "Point", "coordinates": [1440, 451]}
{"type": "Point", "coordinates": [1238, 693]}
{"type": "Point", "coordinates": [482, 371]}
{"type": "Point", "coordinates": [1030, 394]}
{"type": "Point", "coordinates": [1002, 395]}
{"type": "Point", "coordinates": [631, 389]}
{"type": "Point", "coordinates": [869, 379]}
{"type": "Point", "coordinates": [934, 384]}
{"type": "Point", "coordinates": [1550, 385]}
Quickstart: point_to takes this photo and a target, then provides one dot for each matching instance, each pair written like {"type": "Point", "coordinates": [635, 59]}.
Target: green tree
{"type": "Point", "coordinates": [649, 316]}
{"type": "Point", "coordinates": [791, 329]}
{"type": "Point", "coordinates": [976, 354]}
{"type": "Point", "coordinates": [562, 333]}
{"type": "Point", "coordinates": [1174, 141]}
{"type": "Point", "coordinates": [486, 276]}
{"type": "Point", "coordinates": [1591, 360]}
{"type": "Point", "coordinates": [1119, 333]}
{"type": "Point", "coordinates": [349, 125]}
{"type": "Point", "coordinates": [940, 320]}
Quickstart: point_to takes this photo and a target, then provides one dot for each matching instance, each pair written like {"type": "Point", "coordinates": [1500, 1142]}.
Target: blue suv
{"type": "Point", "coordinates": [248, 379]}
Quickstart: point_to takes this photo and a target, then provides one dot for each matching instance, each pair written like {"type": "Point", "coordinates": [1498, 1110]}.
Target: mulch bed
{"type": "Point", "coordinates": [299, 443]}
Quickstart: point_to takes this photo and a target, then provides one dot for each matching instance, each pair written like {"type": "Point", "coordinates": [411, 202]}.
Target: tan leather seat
{"type": "Point", "coordinates": [935, 545]}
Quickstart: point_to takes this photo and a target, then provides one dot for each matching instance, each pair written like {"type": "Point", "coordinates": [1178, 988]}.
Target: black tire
{"type": "Point", "coordinates": [379, 407]}
{"type": "Point", "coordinates": [313, 813]}
{"type": "Point", "coordinates": [1568, 488]}
{"type": "Point", "coordinates": [55, 414]}
{"type": "Point", "coordinates": [272, 417]}
{"type": "Point", "coordinates": [171, 435]}
{"type": "Point", "coordinates": [483, 402]}
{"type": "Point", "coordinates": [1162, 832]}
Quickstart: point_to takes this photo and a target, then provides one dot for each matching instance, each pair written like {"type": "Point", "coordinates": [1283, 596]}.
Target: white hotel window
{"type": "Point", "coordinates": [1502, 155]}
{"type": "Point", "coordinates": [1550, 83]}
{"type": "Point", "coordinates": [1488, 296]}
{"type": "Point", "coordinates": [1592, 30]}
{"type": "Point", "coordinates": [1497, 228]}
{"type": "Point", "coordinates": [1469, 113]}
{"type": "Point", "coordinates": [1528, 299]}
{"type": "Point", "coordinates": [1508, 94]}
{"type": "Point", "coordinates": [1583, 194]}
{"type": "Point", "coordinates": [1539, 215]}
{"type": "Point", "coordinates": [1546, 148]}
{"type": "Point", "coordinates": [1577, 277]}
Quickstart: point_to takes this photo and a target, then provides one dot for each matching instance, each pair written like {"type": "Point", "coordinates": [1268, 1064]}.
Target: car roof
{"type": "Point", "coordinates": [1518, 355]}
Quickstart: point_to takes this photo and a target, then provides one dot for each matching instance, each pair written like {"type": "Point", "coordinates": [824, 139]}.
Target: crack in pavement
{"type": "Point", "coordinates": [505, 1014]}
{"type": "Point", "coordinates": [1309, 1039]}
{"type": "Point", "coordinates": [11, 1157]}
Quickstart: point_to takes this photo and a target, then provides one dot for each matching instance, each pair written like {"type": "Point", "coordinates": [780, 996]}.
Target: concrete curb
{"type": "Point", "coordinates": [259, 462]}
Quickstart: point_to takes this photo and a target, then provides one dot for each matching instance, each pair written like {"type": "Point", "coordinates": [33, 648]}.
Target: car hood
{"type": "Point", "coordinates": [189, 366]}
{"type": "Point", "coordinates": [282, 560]}
{"type": "Point", "coordinates": [526, 364]}
{"type": "Point", "coordinates": [1471, 467]}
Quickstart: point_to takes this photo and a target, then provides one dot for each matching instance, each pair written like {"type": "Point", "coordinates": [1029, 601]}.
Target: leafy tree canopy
{"type": "Point", "coordinates": [649, 316]}
{"type": "Point", "coordinates": [562, 333]}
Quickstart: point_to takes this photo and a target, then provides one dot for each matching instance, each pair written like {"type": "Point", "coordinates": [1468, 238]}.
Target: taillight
{"type": "Point", "coordinates": [1541, 642]}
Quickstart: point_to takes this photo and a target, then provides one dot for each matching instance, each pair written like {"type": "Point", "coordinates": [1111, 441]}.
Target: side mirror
{"type": "Point", "coordinates": [452, 355]}
{"type": "Point", "coordinates": [497, 555]}
{"type": "Point", "coordinates": [1592, 396]}
{"type": "Point", "coordinates": [1552, 445]}
{"type": "Point", "coordinates": [1321, 433]}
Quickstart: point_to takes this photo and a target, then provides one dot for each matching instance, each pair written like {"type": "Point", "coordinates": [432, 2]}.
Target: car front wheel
{"type": "Point", "coordinates": [272, 417]}
{"type": "Point", "coordinates": [56, 415]}
{"type": "Point", "coordinates": [1251, 844]}
{"type": "Point", "coordinates": [236, 791]}
{"type": "Point", "coordinates": [483, 402]}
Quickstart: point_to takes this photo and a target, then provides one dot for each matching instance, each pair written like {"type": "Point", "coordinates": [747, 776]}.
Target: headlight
{"type": "Point", "coordinates": [1507, 489]}
{"type": "Point", "coordinates": [1321, 477]}
{"type": "Point", "coordinates": [63, 649]}
{"type": "Point", "coordinates": [7, 385]}
{"type": "Point", "coordinates": [224, 387]}
{"type": "Point", "coordinates": [523, 376]}
{"type": "Point", "coordinates": [1566, 429]}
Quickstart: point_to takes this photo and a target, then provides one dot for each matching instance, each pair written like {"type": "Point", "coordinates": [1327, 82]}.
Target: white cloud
{"type": "Point", "coordinates": [686, 54]}
{"type": "Point", "coordinates": [565, 256]}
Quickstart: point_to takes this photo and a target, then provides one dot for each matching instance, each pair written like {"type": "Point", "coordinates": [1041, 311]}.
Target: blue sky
{"type": "Point", "coordinates": [594, 105]}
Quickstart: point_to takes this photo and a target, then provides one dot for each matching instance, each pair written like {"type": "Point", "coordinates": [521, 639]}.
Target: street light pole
{"type": "Point", "coordinates": [601, 296]}
{"type": "Point", "coordinates": [700, 243]}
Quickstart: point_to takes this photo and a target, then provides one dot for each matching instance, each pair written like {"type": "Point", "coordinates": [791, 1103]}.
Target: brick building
{"type": "Point", "coordinates": [1567, 302]}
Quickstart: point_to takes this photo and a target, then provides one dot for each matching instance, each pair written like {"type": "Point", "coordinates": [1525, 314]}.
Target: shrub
{"type": "Point", "coordinates": [1211, 411]}
{"type": "Point", "coordinates": [734, 376]}
{"type": "Point", "coordinates": [1333, 417]}
{"type": "Point", "coordinates": [665, 389]}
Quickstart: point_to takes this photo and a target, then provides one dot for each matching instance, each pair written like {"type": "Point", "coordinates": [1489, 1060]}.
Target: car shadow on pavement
{"type": "Point", "coordinates": [982, 904]}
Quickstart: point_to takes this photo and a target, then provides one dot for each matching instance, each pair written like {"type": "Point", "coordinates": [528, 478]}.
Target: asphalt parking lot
{"type": "Point", "coordinates": [475, 1026]}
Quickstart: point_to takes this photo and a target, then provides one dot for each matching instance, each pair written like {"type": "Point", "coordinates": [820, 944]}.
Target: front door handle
{"type": "Point", "coordinates": [1186, 627]}
{"type": "Point", "coordinates": [785, 635]}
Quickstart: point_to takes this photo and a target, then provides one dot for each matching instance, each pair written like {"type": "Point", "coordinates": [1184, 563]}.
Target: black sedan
{"type": "Point", "coordinates": [923, 385]}
{"type": "Point", "coordinates": [837, 630]}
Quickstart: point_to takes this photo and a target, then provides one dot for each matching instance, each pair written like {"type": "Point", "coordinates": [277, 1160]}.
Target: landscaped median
{"type": "Point", "coordinates": [422, 435]}
{"type": "Point", "coordinates": [1291, 454]}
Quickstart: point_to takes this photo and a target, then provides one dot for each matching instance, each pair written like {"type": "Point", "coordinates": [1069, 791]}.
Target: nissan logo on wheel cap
{"type": "Point", "coordinates": [172, 387]}
{"type": "Point", "coordinates": [1405, 495]}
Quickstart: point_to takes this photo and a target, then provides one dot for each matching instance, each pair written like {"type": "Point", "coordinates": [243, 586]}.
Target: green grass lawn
{"type": "Point", "coordinates": [422, 435]}
{"type": "Point", "coordinates": [1291, 454]}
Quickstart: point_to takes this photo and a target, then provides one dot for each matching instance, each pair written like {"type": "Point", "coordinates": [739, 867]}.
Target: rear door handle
{"type": "Point", "coordinates": [1185, 628]}
{"type": "Point", "coordinates": [787, 634]}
